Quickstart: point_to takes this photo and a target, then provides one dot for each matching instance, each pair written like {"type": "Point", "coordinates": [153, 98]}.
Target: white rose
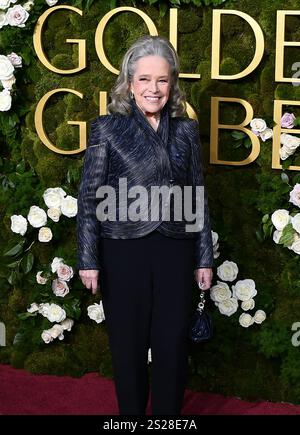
{"type": "Point", "coordinates": [248, 305]}
{"type": "Point", "coordinates": [43, 309]}
{"type": "Point", "coordinates": [69, 206]}
{"type": "Point", "coordinates": [96, 312]}
{"type": "Point", "coordinates": [55, 263]}
{"type": "Point", "coordinates": [259, 316]}
{"type": "Point", "coordinates": [228, 307]}
{"type": "Point", "coordinates": [56, 331]}
{"type": "Point", "coordinates": [28, 5]}
{"type": "Point", "coordinates": [290, 142]}
{"type": "Point", "coordinates": [246, 320]}
{"type": "Point", "coordinates": [266, 134]}
{"type": "Point", "coordinates": [8, 84]}
{"type": "Point", "coordinates": [276, 236]}
{"type": "Point", "coordinates": [54, 213]}
{"type": "Point", "coordinates": [17, 16]}
{"type": "Point", "coordinates": [64, 272]}
{"type": "Point", "coordinates": [40, 279]}
{"type": "Point", "coordinates": [284, 153]}
{"type": "Point", "coordinates": [3, 20]}
{"type": "Point", "coordinates": [55, 313]}
{"type": "Point", "coordinates": [60, 288]}
{"type": "Point", "coordinates": [67, 324]}
{"type": "Point", "coordinates": [46, 336]}
{"type": "Point", "coordinates": [37, 216]}
{"type": "Point", "coordinates": [33, 308]}
{"type": "Point", "coordinates": [45, 234]}
{"type": "Point", "coordinates": [295, 220]}
{"type": "Point", "coordinates": [295, 246]}
{"type": "Point", "coordinates": [5, 100]}
{"type": "Point", "coordinates": [280, 218]}
{"type": "Point", "coordinates": [227, 271]}
{"type": "Point", "coordinates": [15, 59]}
{"type": "Point", "coordinates": [295, 195]}
{"type": "Point", "coordinates": [258, 125]}
{"type": "Point", "coordinates": [51, 2]}
{"type": "Point", "coordinates": [4, 4]}
{"type": "Point", "coordinates": [244, 289]}
{"type": "Point", "coordinates": [220, 292]}
{"type": "Point", "coordinates": [216, 254]}
{"type": "Point", "coordinates": [18, 224]}
{"type": "Point", "coordinates": [53, 197]}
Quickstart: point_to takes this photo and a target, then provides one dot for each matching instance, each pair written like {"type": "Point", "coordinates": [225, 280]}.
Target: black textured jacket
{"type": "Point", "coordinates": [128, 146]}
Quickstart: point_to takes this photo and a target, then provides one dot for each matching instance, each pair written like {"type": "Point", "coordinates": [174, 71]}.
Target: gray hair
{"type": "Point", "coordinates": [147, 46]}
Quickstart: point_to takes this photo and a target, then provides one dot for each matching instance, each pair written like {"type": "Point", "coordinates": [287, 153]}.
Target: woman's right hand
{"type": "Point", "coordinates": [90, 279]}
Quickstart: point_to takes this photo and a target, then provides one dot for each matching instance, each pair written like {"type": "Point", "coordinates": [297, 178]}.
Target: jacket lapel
{"type": "Point", "coordinates": [159, 137]}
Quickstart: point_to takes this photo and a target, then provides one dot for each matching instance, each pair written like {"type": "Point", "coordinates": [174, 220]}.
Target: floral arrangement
{"type": "Point", "coordinates": [14, 16]}
{"type": "Point", "coordinates": [55, 303]}
{"type": "Point", "coordinates": [286, 223]}
{"type": "Point", "coordinates": [50, 308]}
{"type": "Point", "coordinates": [243, 291]}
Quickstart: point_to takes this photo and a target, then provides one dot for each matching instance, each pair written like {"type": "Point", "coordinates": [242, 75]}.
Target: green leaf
{"type": "Point", "coordinates": [162, 9]}
{"type": "Point", "coordinates": [259, 235]}
{"type": "Point", "coordinates": [72, 308]}
{"type": "Point", "coordinates": [237, 144]}
{"type": "Point", "coordinates": [248, 143]}
{"type": "Point", "coordinates": [14, 250]}
{"type": "Point", "coordinates": [265, 218]}
{"type": "Point", "coordinates": [13, 265]}
{"type": "Point", "coordinates": [12, 278]}
{"type": "Point", "coordinates": [285, 178]}
{"type": "Point", "coordinates": [238, 134]}
{"type": "Point", "coordinates": [287, 236]}
{"type": "Point", "coordinates": [27, 262]}
{"type": "Point", "coordinates": [24, 316]}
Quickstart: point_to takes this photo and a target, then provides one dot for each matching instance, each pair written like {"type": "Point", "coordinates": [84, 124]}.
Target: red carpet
{"type": "Point", "coordinates": [22, 393]}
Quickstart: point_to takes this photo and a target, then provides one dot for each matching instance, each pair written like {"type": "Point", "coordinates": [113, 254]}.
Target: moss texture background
{"type": "Point", "coordinates": [254, 363]}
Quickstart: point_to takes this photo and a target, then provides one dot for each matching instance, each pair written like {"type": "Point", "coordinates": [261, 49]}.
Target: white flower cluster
{"type": "Point", "coordinates": [7, 68]}
{"type": "Point", "coordinates": [58, 203]}
{"type": "Point", "coordinates": [289, 142]}
{"type": "Point", "coordinates": [281, 218]}
{"type": "Point", "coordinates": [53, 312]}
{"type": "Point", "coordinates": [14, 16]}
{"type": "Point", "coordinates": [226, 299]}
{"type": "Point", "coordinates": [260, 129]}
{"type": "Point", "coordinates": [18, 14]}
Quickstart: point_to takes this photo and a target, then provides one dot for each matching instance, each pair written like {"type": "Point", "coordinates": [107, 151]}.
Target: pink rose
{"type": "Point", "coordinates": [287, 120]}
{"type": "Point", "coordinates": [64, 272]}
{"type": "Point", "coordinates": [60, 287]}
{"type": "Point", "coordinates": [295, 195]}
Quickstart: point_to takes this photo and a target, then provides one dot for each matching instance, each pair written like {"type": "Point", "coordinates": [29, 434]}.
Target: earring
{"type": "Point", "coordinates": [132, 95]}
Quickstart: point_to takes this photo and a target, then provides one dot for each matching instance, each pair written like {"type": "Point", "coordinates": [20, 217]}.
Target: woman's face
{"type": "Point", "coordinates": [151, 83]}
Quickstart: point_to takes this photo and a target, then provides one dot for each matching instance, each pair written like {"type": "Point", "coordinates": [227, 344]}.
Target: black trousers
{"type": "Point", "coordinates": [146, 286]}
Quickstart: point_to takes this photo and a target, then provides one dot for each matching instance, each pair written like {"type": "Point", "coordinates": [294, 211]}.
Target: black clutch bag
{"type": "Point", "coordinates": [201, 328]}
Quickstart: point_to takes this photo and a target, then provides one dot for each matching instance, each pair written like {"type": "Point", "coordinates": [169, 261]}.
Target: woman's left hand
{"type": "Point", "coordinates": [204, 276]}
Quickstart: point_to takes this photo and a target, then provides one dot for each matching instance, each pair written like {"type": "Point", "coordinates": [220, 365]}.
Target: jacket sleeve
{"type": "Point", "coordinates": [203, 244]}
{"type": "Point", "coordinates": [94, 174]}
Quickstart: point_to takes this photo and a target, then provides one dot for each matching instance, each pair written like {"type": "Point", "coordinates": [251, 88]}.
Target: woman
{"type": "Point", "coordinates": [144, 266]}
